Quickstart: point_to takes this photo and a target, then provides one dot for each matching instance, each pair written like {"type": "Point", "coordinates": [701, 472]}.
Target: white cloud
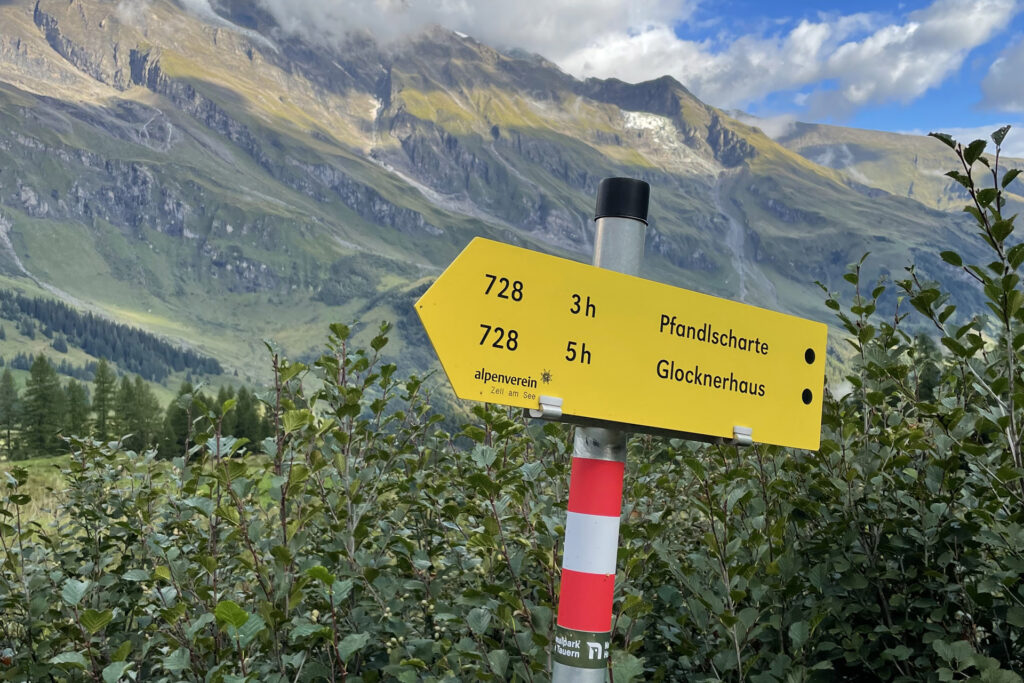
{"type": "Point", "coordinates": [897, 61]}
{"type": "Point", "coordinates": [132, 12]}
{"type": "Point", "coordinates": [774, 127]}
{"type": "Point", "coordinates": [748, 70]}
{"type": "Point", "coordinates": [901, 62]}
{"type": "Point", "coordinates": [832, 65]}
{"type": "Point", "coordinates": [200, 8]}
{"type": "Point", "coordinates": [548, 27]}
{"type": "Point", "coordinates": [1003, 86]}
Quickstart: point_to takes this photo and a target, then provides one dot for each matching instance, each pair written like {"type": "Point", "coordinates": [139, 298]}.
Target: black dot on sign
{"type": "Point", "coordinates": [809, 356]}
{"type": "Point", "coordinates": [807, 396]}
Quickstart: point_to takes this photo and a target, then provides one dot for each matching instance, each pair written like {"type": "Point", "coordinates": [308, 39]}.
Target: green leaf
{"type": "Point", "coordinates": [228, 612]}
{"type": "Point", "coordinates": [307, 629]}
{"type": "Point", "coordinates": [282, 555]}
{"type": "Point", "coordinates": [208, 563]}
{"type": "Point", "coordinates": [900, 652]}
{"type": "Point", "coordinates": [944, 138]}
{"type": "Point", "coordinates": [1009, 176]}
{"type": "Point", "coordinates": [93, 621]}
{"type": "Point", "coordinates": [1015, 299]}
{"type": "Point", "coordinates": [201, 503]}
{"type": "Point", "coordinates": [177, 660]}
{"type": "Point", "coordinates": [1015, 615]}
{"type": "Point", "coordinates": [296, 419]}
{"type": "Point", "coordinates": [321, 574]}
{"type": "Point", "coordinates": [484, 456]}
{"type": "Point", "coordinates": [626, 667]}
{"type": "Point", "coordinates": [291, 371]}
{"type": "Point", "coordinates": [172, 614]}
{"type": "Point", "coordinates": [987, 196]}
{"type": "Point", "coordinates": [960, 651]}
{"type": "Point", "coordinates": [973, 210]}
{"type": "Point", "coordinates": [235, 470]}
{"type": "Point", "coordinates": [956, 347]}
{"type": "Point", "coordinates": [16, 476]}
{"type": "Point", "coordinates": [340, 331]}
{"type": "Point", "coordinates": [341, 589]}
{"type": "Point", "coordinates": [799, 631]}
{"type": "Point", "coordinates": [974, 151]}
{"type": "Point", "coordinates": [961, 178]}
{"type": "Point", "coordinates": [999, 135]}
{"type": "Point", "coordinates": [254, 625]}
{"type": "Point", "coordinates": [952, 258]}
{"type": "Point", "coordinates": [478, 619]}
{"type": "Point", "coordinates": [112, 672]}
{"type": "Point", "coordinates": [122, 652]}
{"type": "Point", "coordinates": [136, 575]}
{"type": "Point", "coordinates": [74, 591]}
{"type": "Point", "coordinates": [532, 471]}
{"type": "Point", "coordinates": [498, 660]}
{"type": "Point", "coordinates": [1015, 256]}
{"type": "Point", "coordinates": [197, 625]}
{"type": "Point", "coordinates": [73, 658]}
{"type": "Point", "coordinates": [351, 644]}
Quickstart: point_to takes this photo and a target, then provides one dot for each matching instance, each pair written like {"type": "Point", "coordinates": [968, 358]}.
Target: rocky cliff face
{"type": "Point", "coordinates": [103, 61]}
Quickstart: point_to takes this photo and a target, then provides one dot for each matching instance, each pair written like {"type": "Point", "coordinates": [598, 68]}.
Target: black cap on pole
{"type": "Point", "coordinates": [623, 198]}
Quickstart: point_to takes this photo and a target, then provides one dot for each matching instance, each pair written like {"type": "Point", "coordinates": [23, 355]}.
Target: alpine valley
{"type": "Point", "coordinates": [215, 180]}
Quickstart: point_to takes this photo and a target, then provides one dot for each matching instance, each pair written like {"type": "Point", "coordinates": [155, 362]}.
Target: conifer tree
{"type": "Point", "coordinates": [247, 419]}
{"type": "Point", "coordinates": [123, 408]}
{"type": "Point", "coordinates": [136, 414]}
{"type": "Point", "coordinates": [177, 424]}
{"type": "Point", "coordinates": [43, 411]}
{"type": "Point", "coordinates": [146, 418]}
{"type": "Point", "coordinates": [103, 399]}
{"type": "Point", "coordinates": [77, 419]}
{"type": "Point", "coordinates": [8, 409]}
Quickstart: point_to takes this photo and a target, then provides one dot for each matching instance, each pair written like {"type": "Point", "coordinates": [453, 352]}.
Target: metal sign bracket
{"type": "Point", "coordinates": [742, 436]}
{"type": "Point", "coordinates": [550, 408]}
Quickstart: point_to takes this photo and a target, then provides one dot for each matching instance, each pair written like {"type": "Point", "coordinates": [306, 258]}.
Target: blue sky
{"type": "Point", "coordinates": [914, 66]}
{"type": "Point", "coordinates": [956, 100]}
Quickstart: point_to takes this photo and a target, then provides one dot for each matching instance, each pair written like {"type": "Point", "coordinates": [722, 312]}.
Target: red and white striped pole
{"type": "Point", "coordinates": [584, 625]}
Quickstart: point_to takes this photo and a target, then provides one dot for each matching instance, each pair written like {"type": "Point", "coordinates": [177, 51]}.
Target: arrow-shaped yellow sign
{"type": "Point", "coordinates": [511, 325]}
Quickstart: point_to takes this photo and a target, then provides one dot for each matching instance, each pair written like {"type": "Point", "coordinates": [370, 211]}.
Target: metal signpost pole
{"type": "Point", "coordinates": [612, 352]}
{"type": "Point", "coordinates": [583, 631]}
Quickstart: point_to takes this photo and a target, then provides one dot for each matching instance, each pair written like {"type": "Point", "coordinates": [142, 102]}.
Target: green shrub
{"type": "Point", "coordinates": [361, 542]}
{"type": "Point", "coordinates": [366, 545]}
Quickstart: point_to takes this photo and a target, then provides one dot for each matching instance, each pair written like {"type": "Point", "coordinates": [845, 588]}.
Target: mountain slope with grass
{"type": "Point", "coordinates": [217, 180]}
{"type": "Point", "coordinates": [911, 166]}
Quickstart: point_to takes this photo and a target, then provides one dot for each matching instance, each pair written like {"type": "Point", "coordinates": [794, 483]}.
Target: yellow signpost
{"type": "Point", "coordinates": [516, 327]}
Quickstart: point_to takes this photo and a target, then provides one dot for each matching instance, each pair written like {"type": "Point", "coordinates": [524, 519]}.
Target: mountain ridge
{"type": "Point", "coordinates": [223, 184]}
